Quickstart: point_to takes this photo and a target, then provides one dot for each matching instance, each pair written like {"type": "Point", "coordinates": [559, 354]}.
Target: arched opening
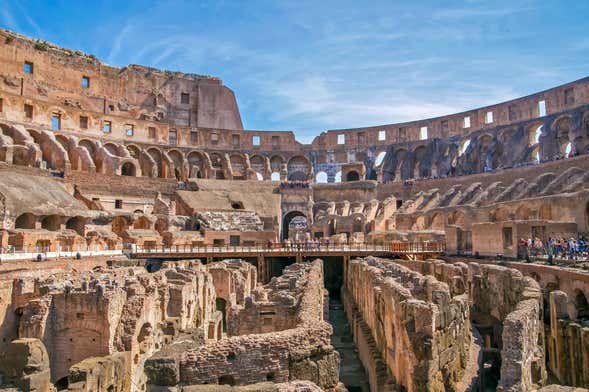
{"type": "Point", "coordinates": [237, 205]}
{"type": "Point", "coordinates": [178, 161]}
{"type": "Point", "coordinates": [298, 226]}
{"type": "Point", "coordinates": [226, 380]}
{"type": "Point", "coordinates": [51, 223]}
{"type": "Point", "coordinates": [581, 305]}
{"type": "Point", "coordinates": [331, 227]}
{"type": "Point", "coordinates": [352, 176]}
{"type": "Point", "coordinates": [161, 226]}
{"type": "Point", "coordinates": [338, 177]}
{"type": "Point", "coordinates": [62, 384]}
{"type": "Point", "coordinates": [195, 164]}
{"type": "Point", "coordinates": [568, 150]}
{"type": "Point", "coordinates": [27, 221]}
{"type": "Point", "coordinates": [221, 306]}
{"type": "Point", "coordinates": [275, 176]}
{"type": "Point", "coordinates": [142, 223]}
{"type": "Point", "coordinates": [258, 164]}
{"type": "Point", "coordinates": [463, 147]}
{"type": "Point", "coordinates": [298, 168]}
{"type": "Point", "coordinates": [357, 226]}
{"type": "Point", "coordinates": [112, 149]}
{"type": "Point", "coordinates": [119, 225]}
{"type": "Point", "coordinates": [238, 166]}
{"type": "Point", "coordinates": [77, 224]}
{"type": "Point", "coordinates": [259, 177]}
{"type": "Point", "coordinates": [134, 151]}
{"type": "Point", "coordinates": [438, 222]}
{"type": "Point", "coordinates": [536, 134]}
{"type": "Point", "coordinates": [379, 158]}
{"type": "Point", "coordinates": [321, 177]}
{"type": "Point", "coordinates": [159, 164]}
{"type": "Point", "coordinates": [128, 169]}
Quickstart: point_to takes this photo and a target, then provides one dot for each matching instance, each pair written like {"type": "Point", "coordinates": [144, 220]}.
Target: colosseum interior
{"type": "Point", "coordinates": [150, 243]}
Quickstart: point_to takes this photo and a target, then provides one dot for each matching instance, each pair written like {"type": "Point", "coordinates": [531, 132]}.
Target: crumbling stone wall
{"type": "Point", "coordinates": [303, 352]}
{"type": "Point", "coordinates": [104, 313]}
{"type": "Point", "coordinates": [514, 301]}
{"type": "Point", "coordinates": [568, 343]}
{"type": "Point", "coordinates": [421, 330]}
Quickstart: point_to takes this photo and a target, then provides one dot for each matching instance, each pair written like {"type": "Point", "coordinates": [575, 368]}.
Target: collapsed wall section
{"type": "Point", "coordinates": [297, 349]}
{"type": "Point", "coordinates": [419, 329]}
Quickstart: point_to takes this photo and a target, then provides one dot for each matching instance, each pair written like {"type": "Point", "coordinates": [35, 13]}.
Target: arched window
{"type": "Point", "coordinates": [464, 147]}
{"type": "Point", "coordinates": [321, 177]}
{"type": "Point", "coordinates": [259, 177]}
{"type": "Point", "coordinates": [338, 176]}
{"type": "Point", "coordinates": [568, 149]}
{"type": "Point", "coordinates": [379, 158]}
{"type": "Point", "coordinates": [128, 169]}
{"type": "Point", "coordinates": [537, 134]}
{"type": "Point", "coordinates": [275, 176]}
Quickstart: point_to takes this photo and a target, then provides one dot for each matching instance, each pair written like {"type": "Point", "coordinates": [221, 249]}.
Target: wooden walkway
{"type": "Point", "coordinates": [404, 250]}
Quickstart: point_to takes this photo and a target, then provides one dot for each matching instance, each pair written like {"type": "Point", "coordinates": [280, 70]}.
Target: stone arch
{"type": "Point", "coordinates": [331, 226]}
{"type": "Point", "coordinates": [506, 135]}
{"type": "Point", "coordinates": [88, 145]}
{"type": "Point", "coordinates": [276, 162]}
{"type": "Point", "coordinates": [112, 148]}
{"type": "Point", "coordinates": [128, 169]}
{"type": "Point", "coordinates": [238, 166]}
{"type": "Point", "coordinates": [321, 177]}
{"type": "Point", "coordinates": [501, 214]}
{"type": "Point", "coordinates": [158, 159]}
{"type": "Point", "coordinates": [134, 151]}
{"type": "Point", "coordinates": [76, 223]}
{"type": "Point", "coordinates": [358, 224]}
{"type": "Point", "coordinates": [534, 132]}
{"type": "Point", "coordinates": [142, 222]}
{"type": "Point", "coordinates": [401, 172]}
{"type": "Point", "coordinates": [299, 168]}
{"type": "Point", "coordinates": [438, 221]}
{"type": "Point", "coordinates": [119, 225]}
{"type": "Point", "coordinates": [420, 169]}
{"type": "Point", "coordinates": [464, 145]}
{"type": "Point", "coordinates": [178, 160]}
{"type": "Point", "coordinates": [51, 222]}
{"type": "Point", "coordinates": [379, 158]}
{"type": "Point", "coordinates": [258, 164]}
{"type": "Point", "coordinates": [458, 218]}
{"type": "Point", "coordinates": [420, 223]}
{"type": "Point", "coordinates": [288, 217]}
{"type": "Point", "coordinates": [25, 221]}
{"type": "Point", "coordinates": [64, 141]}
{"type": "Point", "coordinates": [196, 164]}
{"type": "Point", "coordinates": [352, 175]}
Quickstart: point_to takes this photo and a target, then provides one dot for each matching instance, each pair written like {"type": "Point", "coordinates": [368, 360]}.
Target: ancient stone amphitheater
{"type": "Point", "coordinates": [149, 243]}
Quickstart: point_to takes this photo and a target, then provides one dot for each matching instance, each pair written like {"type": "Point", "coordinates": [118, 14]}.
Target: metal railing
{"type": "Point", "coordinates": [396, 247]}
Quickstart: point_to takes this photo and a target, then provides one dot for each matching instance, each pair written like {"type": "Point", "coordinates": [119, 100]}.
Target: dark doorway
{"type": "Point", "coordinates": [128, 169]}
{"type": "Point", "coordinates": [352, 176]}
{"type": "Point", "coordinates": [286, 222]}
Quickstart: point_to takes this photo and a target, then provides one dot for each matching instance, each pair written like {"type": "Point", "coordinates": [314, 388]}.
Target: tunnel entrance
{"type": "Point", "coordinates": [333, 275]}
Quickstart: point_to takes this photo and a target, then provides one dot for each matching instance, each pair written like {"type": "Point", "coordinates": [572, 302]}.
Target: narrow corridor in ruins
{"type": "Point", "coordinates": [352, 372]}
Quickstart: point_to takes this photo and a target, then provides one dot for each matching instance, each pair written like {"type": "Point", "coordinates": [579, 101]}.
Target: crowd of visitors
{"type": "Point", "coordinates": [574, 249]}
{"type": "Point", "coordinates": [295, 184]}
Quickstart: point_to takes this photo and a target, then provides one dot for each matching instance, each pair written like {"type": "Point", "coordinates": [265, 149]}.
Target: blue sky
{"type": "Point", "coordinates": [309, 66]}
